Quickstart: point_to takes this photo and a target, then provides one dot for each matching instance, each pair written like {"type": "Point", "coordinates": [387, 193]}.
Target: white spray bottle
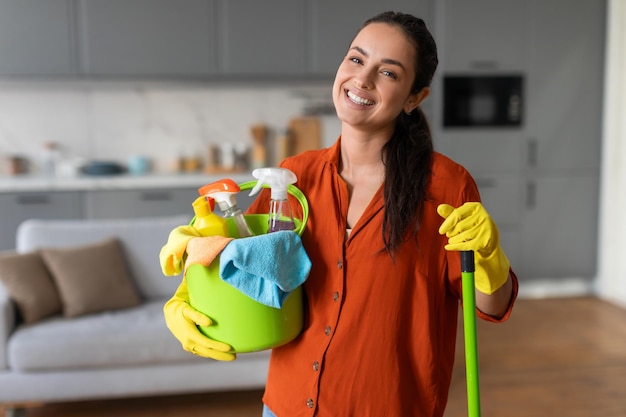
{"type": "Point", "coordinates": [280, 212]}
{"type": "Point", "coordinates": [223, 192]}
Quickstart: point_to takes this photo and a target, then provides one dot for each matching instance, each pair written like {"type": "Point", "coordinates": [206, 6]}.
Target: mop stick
{"type": "Point", "coordinates": [469, 329]}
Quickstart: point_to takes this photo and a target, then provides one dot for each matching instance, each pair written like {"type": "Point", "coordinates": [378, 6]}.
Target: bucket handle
{"type": "Point", "coordinates": [293, 191]}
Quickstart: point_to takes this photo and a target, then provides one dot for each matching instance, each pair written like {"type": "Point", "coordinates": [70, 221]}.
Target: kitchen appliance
{"type": "Point", "coordinates": [98, 168]}
{"type": "Point", "coordinates": [482, 100]}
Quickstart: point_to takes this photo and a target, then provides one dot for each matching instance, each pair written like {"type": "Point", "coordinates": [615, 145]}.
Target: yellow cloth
{"type": "Point", "coordinates": [203, 250]}
{"type": "Point", "coordinates": [172, 255]}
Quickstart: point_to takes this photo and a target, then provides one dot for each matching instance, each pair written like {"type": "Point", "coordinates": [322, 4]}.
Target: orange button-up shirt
{"type": "Point", "coordinates": [379, 336]}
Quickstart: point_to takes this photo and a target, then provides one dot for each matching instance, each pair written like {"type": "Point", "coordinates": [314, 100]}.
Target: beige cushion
{"type": "Point", "coordinates": [29, 285]}
{"type": "Point", "coordinates": [91, 278]}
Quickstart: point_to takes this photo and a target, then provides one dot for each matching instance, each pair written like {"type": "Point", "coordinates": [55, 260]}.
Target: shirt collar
{"type": "Point", "coordinates": [333, 153]}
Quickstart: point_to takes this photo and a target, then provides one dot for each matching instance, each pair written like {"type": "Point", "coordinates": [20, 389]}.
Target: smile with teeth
{"type": "Point", "coordinates": [359, 100]}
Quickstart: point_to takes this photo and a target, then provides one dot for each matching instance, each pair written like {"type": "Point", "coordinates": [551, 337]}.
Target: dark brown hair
{"type": "Point", "coordinates": [407, 155]}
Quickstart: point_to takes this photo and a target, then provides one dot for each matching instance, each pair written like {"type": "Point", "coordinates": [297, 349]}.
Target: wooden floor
{"type": "Point", "coordinates": [555, 357]}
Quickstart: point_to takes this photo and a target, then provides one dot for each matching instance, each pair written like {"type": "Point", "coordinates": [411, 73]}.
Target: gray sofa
{"type": "Point", "coordinates": [120, 353]}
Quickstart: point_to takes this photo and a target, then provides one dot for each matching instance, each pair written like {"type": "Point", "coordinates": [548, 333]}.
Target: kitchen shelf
{"type": "Point", "coordinates": [115, 182]}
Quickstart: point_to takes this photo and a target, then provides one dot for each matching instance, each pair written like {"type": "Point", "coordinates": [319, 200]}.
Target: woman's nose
{"type": "Point", "coordinates": [363, 80]}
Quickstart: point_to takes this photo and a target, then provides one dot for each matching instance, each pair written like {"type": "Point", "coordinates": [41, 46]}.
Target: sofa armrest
{"type": "Point", "coordinates": [7, 323]}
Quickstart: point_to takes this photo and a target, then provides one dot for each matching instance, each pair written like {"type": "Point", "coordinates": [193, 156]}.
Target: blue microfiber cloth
{"type": "Point", "coordinates": [266, 267]}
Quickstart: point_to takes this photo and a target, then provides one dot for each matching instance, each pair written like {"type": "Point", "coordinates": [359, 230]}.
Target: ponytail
{"type": "Point", "coordinates": [407, 158]}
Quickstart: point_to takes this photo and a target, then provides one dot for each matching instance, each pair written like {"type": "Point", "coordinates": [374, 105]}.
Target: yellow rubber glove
{"type": "Point", "coordinates": [172, 255]}
{"type": "Point", "coordinates": [182, 320]}
{"type": "Point", "coordinates": [470, 227]}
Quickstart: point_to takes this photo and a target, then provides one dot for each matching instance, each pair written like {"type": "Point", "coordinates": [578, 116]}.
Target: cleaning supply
{"type": "Point", "coordinates": [238, 319]}
{"type": "Point", "coordinates": [267, 268]}
{"type": "Point", "coordinates": [183, 321]}
{"type": "Point", "coordinates": [203, 250]}
{"type": "Point", "coordinates": [206, 222]}
{"type": "Point", "coordinates": [470, 333]}
{"type": "Point", "coordinates": [469, 227]}
{"type": "Point", "coordinates": [173, 253]}
{"type": "Point", "coordinates": [223, 192]}
{"type": "Point", "coordinates": [280, 212]}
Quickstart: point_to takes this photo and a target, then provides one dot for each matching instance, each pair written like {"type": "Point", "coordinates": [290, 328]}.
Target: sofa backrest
{"type": "Point", "coordinates": [141, 239]}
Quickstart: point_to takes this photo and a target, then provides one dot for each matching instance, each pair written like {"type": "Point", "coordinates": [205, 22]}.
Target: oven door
{"type": "Point", "coordinates": [480, 100]}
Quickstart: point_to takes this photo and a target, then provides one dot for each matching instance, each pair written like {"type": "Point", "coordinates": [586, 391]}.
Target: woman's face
{"type": "Point", "coordinates": [373, 83]}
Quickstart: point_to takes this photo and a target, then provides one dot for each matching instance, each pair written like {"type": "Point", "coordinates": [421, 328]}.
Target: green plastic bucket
{"type": "Point", "coordinates": [239, 320]}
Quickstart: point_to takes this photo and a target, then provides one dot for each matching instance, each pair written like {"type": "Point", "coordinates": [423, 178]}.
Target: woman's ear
{"type": "Point", "coordinates": [416, 99]}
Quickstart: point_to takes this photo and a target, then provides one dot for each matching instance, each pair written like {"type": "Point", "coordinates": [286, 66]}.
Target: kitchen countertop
{"type": "Point", "coordinates": [28, 183]}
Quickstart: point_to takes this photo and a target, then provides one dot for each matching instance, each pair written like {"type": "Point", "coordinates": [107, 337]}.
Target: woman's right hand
{"type": "Point", "coordinates": [183, 321]}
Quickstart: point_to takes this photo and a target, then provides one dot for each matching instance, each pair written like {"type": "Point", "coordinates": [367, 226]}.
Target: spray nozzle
{"type": "Point", "coordinates": [222, 191]}
{"type": "Point", "coordinates": [278, 179]}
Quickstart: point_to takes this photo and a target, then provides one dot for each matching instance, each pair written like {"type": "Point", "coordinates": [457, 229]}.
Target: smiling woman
{"type": "Point", "coordinates": [385, 284]}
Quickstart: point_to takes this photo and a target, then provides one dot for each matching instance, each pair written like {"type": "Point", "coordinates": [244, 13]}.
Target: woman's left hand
{"type": "Point", "coordinates": [469, 227]}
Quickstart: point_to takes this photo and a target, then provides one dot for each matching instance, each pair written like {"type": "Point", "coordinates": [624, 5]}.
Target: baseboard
{"type": "Point", "coordinates": [557, 287]}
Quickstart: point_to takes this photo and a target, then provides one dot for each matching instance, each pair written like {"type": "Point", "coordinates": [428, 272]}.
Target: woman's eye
{"type": "Point", "coordinates": [389, 74]}
{"type": "Point", "coordinates": [355, 59]}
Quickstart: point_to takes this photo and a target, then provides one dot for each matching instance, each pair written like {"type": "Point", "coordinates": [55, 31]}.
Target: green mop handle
{"type": "Point", "coordinates": [469, 329]}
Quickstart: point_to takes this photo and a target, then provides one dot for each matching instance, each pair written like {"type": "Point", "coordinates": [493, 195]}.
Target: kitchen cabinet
{"type": "Point", "coordinates": [36, 38]}
{"type": "Point", "coordinates": [19, 206]}
{"type": "Point", "coordinates": [333, 24]}
{"type": "Point", "coordinates": [205, 39]}
{"type": "Point", "coordinates": [564, 107]}
{"type": "Point", "coordinates": [565, 82]}
{"type": "Point", "coordinates": [484, 35]}
{"type": "Point", "coordinates": [153, 202]}
{"type": "Point", "coordinates": [262, 38]}
{"type": "Point", "coordinates": [485, 151]}
{"type": "Point", "coordinates": [148, 37]}
{"type": "Point", "coordinates": [540, 182]}
{"type": "Point", "coordinates": [111, 204]}
{"type": "Point", "coordinates": [559, 234]}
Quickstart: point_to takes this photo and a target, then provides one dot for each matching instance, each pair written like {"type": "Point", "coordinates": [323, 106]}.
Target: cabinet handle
{"type": "Point", "coordinates": [33, 199]}
{"type": "Point", "coordinates": [531, 195]}
{"type": "Point", "coordinates": [156, 196]}
{"type": "Point", "coordinates": [533, 152]}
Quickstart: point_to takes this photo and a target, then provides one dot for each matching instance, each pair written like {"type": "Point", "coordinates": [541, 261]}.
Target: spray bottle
{"type": "Point", "coordinates": [223, 192]}
{"type": "Point", "coordinates": [280, 213]}
{"type": "Point", "coordinates": [206, 222]}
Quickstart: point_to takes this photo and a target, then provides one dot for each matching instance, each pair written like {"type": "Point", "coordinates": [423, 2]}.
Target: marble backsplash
{"type": "Point", "coordinates": [109, 121]}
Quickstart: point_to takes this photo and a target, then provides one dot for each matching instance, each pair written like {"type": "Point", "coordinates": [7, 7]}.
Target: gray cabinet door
{"type": "Point", "coordinates": [147, 37]}
{"type": "Point", "coordinates": [36, 37]}
{"type": "Point", "coordinates": [559, 226]}
{"type": "Point", "coordinates": [262, 37]}
{"type": "Point", "coordinates": [484, 151]}
{"type": "Point", "coordinates": [113, 204]}
{"type": "Point", "coordinates": [17, 207]}
{"type": "Point", "coordinates": [333, 25]}
{"type": "Point", "coordinates": [559, 233]}
{"type": "Point", "coordinates": [485, 35]}
{"type": "Point", "coordinates": [564, 105]}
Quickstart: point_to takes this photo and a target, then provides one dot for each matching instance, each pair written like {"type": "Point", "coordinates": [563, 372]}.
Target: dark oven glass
{"type": "Point", "coordinates": [481, 100]}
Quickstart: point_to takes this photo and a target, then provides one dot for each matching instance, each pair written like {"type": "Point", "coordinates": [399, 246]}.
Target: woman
{"type": "Point", "coordinates": [383, 292]}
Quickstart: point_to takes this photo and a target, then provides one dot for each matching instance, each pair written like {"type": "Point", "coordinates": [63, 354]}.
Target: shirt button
{"type": "Point", "coordinates": [316, 366]}
{"type": "Point", "coordinates": [339, 264]}
{"type": "Point", "coordinates": [335, 296]}
{"type": "Point", "coordinates": [327, 330]}
{"type": "Point", "coordinates": [310, 403]}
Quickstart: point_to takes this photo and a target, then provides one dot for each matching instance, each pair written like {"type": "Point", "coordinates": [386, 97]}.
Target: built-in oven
{"type": "Point", "coordinates": [482, 100]}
